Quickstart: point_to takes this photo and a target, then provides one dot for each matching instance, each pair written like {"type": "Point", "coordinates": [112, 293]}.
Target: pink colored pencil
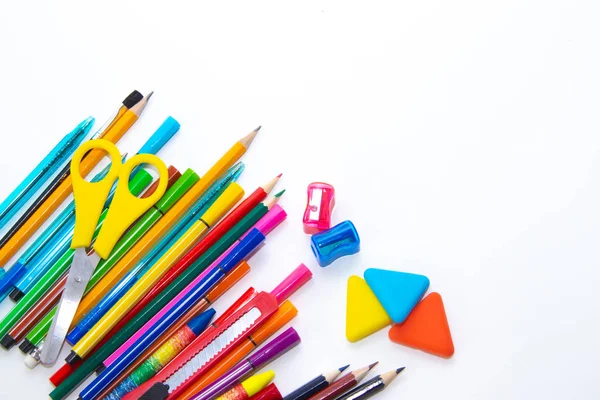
{"type": "Point", "coordinates": [266, 224]}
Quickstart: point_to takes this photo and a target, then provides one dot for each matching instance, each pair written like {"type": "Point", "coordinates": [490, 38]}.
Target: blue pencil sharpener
{"type": "Point", "coordinates": [341, 240]}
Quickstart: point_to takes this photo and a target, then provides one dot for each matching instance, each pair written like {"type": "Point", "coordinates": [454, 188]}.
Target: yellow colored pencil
{"type": "Point", "coordinates": [154, 234]}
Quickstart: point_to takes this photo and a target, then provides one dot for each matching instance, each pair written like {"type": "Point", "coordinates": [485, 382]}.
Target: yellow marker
{"type": "Point", "coordinates": [220, 207]}
{"type": "Point", "coordinates": [155, 233]}
{"type": "Point", "coordinates": [249, 387]}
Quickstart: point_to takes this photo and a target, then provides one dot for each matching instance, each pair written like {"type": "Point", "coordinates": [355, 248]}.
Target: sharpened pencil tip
{"type": "Point", "coordinates": [399, 370]}
{"type": "Point", "coordinates": [279, 176]}
{"type": "Point", "coordinates": [344, 368]}
{"type": "Point", "coordinates": [373, 365]}
{"type": "Point", "coordinates": [149, 95]}
{"type": "Point", "coordinates": [258, 129]}
{"type": "Point", "coordinates": [246, 141]}
{"type": "Point", "coordinates": [280, 193]}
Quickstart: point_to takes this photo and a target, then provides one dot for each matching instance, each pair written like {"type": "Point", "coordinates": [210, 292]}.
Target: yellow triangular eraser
{"type": "Point", "coordinates": [364, 313]}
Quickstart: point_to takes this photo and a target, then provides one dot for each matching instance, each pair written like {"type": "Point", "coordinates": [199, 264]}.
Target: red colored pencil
{"type": "Point", "coordinates": [343, 384]}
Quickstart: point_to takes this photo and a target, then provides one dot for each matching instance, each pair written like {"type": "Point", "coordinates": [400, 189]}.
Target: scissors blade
{"type": "Point", "coordinates": [80, 274]}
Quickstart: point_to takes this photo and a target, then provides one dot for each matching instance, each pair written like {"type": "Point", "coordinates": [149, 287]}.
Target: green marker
{"type": "Point", "coordinates": [140, 181]}
{"type": "Point", "coordinates": [173, 194]}
{"type": "Point", "coordinates": [96, 358]}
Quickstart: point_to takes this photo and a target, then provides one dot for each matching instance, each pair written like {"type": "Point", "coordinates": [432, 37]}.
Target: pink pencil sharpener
{"type": "Point", "coordinates": [321, 199]}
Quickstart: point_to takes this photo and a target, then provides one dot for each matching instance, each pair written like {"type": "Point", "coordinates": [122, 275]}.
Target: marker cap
{"type": "Point", "coordinates": [175, 192]}
{"type": "Point", "coordinates": [285, 314]}
{"type": "Point", "coordinates": [291, 283]}
{"type": "Point", "coordinates": [163, 134]}
{"type": "Point", "coordinates": [269, 393]}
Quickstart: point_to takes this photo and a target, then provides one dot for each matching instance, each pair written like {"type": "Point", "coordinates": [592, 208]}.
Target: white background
{"type": "Point", "coordinates": [462, 138]}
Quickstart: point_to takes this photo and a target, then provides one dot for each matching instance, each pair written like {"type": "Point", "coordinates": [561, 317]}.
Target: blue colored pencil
{"type": "Point", "coordinates": [242, 250]}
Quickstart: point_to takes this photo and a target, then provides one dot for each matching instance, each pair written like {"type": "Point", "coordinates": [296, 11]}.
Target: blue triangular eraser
{"type": "Point", "coordinates": [398, 292]}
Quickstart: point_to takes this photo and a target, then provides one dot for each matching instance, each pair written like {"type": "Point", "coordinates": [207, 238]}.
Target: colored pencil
{"type": "Point", "coordinates": [229, 221]}
{"type": "Point", "coordinates": [271, 392]}
{"type": "Point", "coordinates": [249, 387]}
{"type": "Point", "coordinates": [265, 224]}
{"type": "Point", "coordinates": [142, 179]}
{"type": "Point", "coordinates": [222, 287]}
{"type": "Point", "coordinates": [169, 240]}
{"type": "Point", "coordinates": [158, 139]}
{"type": "Point", "coordinates": [278, 346]}
{"type": "Point", "coordinates": [163, 355]}
{"type": "Point", "coordinates": [29, 223]}
{"type": "Point", "coordinates": [43, 171]}
{"type": "Point", "coordinates": [223, 204]}
{"type": "Point", "coordinates": [247, 246]}
{"type": "Point", "coordinates": [155, 233]}
{"type": "Point", "coordinates": [371, 387]}
{"type": "Point", "coordinates": [56, 276]}
{"type": "Point", "coordinates": [344, 384]}
{"type": "Point", "coordinates": [286, 312]}
{"type": "Point", "coordinates": [160, 301]}
{"type": "Point", "coordinates": [315, 385]}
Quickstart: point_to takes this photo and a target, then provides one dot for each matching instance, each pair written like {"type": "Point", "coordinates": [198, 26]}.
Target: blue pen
{"type": "Point", "coordinates": [240, 252]}
{"type": "Point", "coordinates": [46, 238]}
{"type": "Point", "coordinates": [110, 299]}
{"type": "Point", "coordinates": [162, 135]}
{"type": "Point", "coordinates": [43, 171]}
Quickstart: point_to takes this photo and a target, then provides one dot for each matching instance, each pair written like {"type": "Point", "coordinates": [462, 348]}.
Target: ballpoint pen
{"type": "Point", "coordinates": [43, 171]}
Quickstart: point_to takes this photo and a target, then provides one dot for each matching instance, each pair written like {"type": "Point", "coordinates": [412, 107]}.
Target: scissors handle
{"type": "Point", "coordinates": [90, 197]}
{"type": "Point", "coordinates": [125, 207]}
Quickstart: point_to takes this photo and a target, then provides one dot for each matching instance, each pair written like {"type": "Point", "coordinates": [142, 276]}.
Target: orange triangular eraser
{"type": "Point", "coordinates": [426, 328]}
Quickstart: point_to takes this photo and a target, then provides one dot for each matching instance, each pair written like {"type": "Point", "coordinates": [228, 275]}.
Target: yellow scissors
{"type": "Point", "coordinates": [90, 198]}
